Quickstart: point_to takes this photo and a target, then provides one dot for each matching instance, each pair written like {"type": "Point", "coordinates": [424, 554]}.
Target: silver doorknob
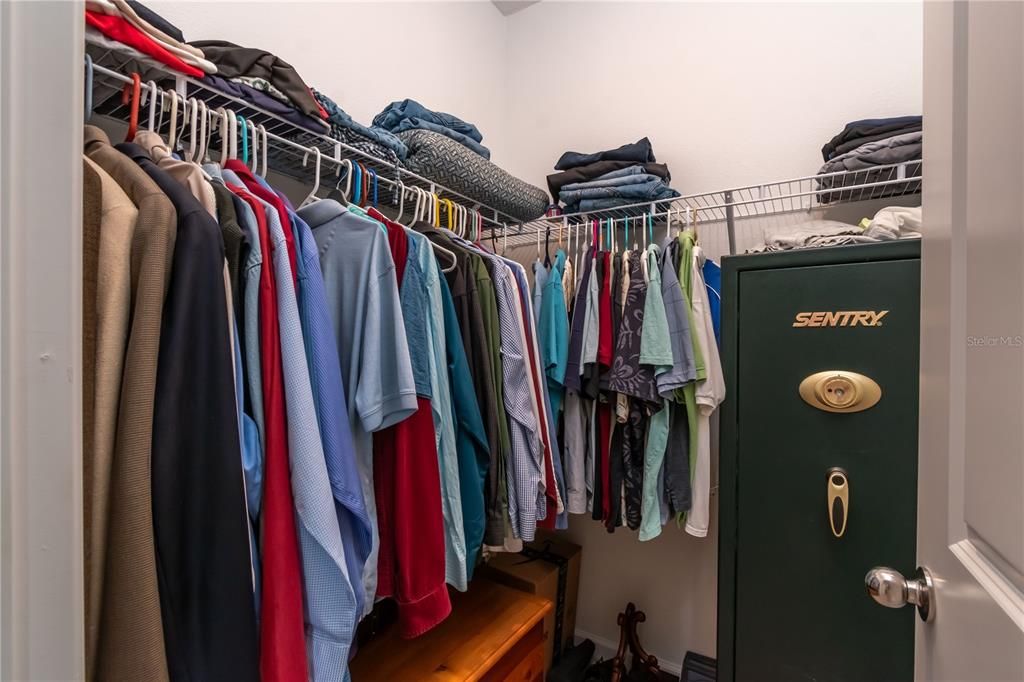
{"type": "Point", "coordinates": [888, 587]}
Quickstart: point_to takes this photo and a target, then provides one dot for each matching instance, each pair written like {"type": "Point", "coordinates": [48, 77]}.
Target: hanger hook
{"type": "Point", "coordinates": [88, 87]}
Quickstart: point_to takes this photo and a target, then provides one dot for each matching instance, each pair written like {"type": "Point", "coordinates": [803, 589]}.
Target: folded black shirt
{"type": "Point", "coordinates": [156, 20]}
{"type": "Point", "coordinates": [875, 128]}
{"type": "Point", "coordinates": [638, 152]}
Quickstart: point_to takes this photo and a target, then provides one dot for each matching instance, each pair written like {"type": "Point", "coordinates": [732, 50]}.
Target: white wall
{"type": "Point", "coordinates": [450, 56]}
{"type": "Point", "coordinates": [729, 93]}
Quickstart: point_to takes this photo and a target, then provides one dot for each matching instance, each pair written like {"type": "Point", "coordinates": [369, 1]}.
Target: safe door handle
{"type": "Point", "coordinates": [837, 493]}
{"type": "Point", "coordinates": [888, 587]}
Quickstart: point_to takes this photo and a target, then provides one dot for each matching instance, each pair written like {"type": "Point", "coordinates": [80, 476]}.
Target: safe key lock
{"type": "Point", "coordinates": [838, 390]}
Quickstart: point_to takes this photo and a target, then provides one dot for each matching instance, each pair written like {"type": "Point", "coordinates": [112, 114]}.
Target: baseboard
{"type": "Point", "coordinates": [606, 648]}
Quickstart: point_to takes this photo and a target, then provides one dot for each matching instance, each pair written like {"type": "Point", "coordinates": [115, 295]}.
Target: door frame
{"type": "Point", "coordinates": [41, 554]}
{"type": "Point", "coordinates": [728, 449]}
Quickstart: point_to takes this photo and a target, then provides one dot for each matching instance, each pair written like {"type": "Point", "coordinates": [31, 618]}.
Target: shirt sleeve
{"type": "Point", "coordinates": [386, 393]}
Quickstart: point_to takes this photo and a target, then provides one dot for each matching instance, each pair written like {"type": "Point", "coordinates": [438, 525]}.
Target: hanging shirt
{"type": "Point", "coordinates": [568, 284]}
{"type": "Point", "coordinates": [363, 301]}
{"type": "Point", "coordinates": [252, 393]}
{"type": "Point", "coordinates": [687, 239]}
{"type": "Point", "coordinates": [541, 275]}
{"type": "Point", "coordinates": [282, 650]}
{"type": "Point", "coordinates": [578, 326]}
{"type": "Point", "coordinates": [331, 405]}
{"type": "Point", "coordinates": [472, 293]}
{"type": "Point", "coordinates": [526, 481]}
{"type": "Point", "coordinates": [713, 281]}
{"type": "Point", "coordinates": [406, 477]}
{"type": "Point", "coordinates": [656, 351]}
{"type": "Point", "coordinates": [553, 330]}
{"type": "Point", "coordinates": [444, 423]}
{"type": "Point", "coordinates": [710, 394]}
{"type": "Point", "coordinates": [538, 393]}
{"type": "Point", "coordinates": [205, 587]}
{"type": "Point", "coordinates": [470, 437]}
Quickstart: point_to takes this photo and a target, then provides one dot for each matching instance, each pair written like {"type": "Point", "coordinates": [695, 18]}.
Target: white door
{"type": "Point", "coordinates": [971, 489]}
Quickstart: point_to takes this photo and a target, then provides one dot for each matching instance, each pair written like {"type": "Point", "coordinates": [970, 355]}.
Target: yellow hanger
{"type": "Point", "coordinates": [451, 212]}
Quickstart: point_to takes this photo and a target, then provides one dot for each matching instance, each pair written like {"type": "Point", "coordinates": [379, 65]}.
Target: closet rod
{"type": "Point", "coordinates": [330, 148]}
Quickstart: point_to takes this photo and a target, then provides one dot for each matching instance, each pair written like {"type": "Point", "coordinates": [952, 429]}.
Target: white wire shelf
{"type": "Point", "coordinates": [729, 207]}
{"type": "Point", "coordinates": [290, 147]}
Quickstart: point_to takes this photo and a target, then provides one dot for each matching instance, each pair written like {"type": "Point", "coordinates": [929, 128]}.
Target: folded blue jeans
{"type": "Point", "coordinates": [638, 191]}
{"type": "Point", "coordinates": [620, 181]}
{"type": "Point", "coordinates": [339, 117]}
{"type": "Point", "coordinates": [396, 112]}
{"type": "Point", "coordinates": [590, 205]}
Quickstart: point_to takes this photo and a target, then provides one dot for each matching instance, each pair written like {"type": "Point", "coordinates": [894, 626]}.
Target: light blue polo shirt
{"type": "Point", "coordinates": [444, 424]}
{"type": "Point", "coordinates": [366, 314]}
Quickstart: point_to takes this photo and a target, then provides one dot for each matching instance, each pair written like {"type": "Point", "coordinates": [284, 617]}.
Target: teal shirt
{"type": "Point", "coordinates": [470, 435]}
{"type": "Point", "coordinates": [655, 350]}
{"type": "Point", "coordinates": [444, 423]}
{"type": "Point", "coordinates": [553, 334]}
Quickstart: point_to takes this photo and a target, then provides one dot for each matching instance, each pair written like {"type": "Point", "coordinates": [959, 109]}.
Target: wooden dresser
{"type": "Point", "coordinates": [493, 633]}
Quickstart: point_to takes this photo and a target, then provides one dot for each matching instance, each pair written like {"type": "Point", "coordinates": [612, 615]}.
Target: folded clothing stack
{"type": "Point", "coordinates": [134, 25]}
{"type": "Point", "coordinates": [891, 222]}
{"type": "Point", "coordinates": [868, 145]}
{"type": "Point", "coordinates": [409, 114]}
{"type": "Point", "coordinates": [617, 177]}
{"type": "Point", "coordinates": [373, 141]}
{"type": "Point", "coordinates": [264, 80]}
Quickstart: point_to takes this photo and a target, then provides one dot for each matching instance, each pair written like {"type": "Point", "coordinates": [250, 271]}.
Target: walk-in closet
{"type": "Point", "coordinates": [566, 341]}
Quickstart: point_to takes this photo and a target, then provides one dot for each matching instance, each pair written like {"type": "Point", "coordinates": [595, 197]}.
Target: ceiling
{"type": "Point", "coordinates": [509, 7]}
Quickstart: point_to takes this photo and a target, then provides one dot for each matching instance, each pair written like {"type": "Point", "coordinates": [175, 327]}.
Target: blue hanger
{"type": "Point", "coordinates": [373, 174]}
{"type": "Point", "coordinates": [359, 184]}
{"type": "Point", "coordinates": [245, 140]}
{"type": "Point", "coordinates": [626, 241]}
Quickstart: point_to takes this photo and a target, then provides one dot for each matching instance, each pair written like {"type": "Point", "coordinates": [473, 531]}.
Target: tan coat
{"type": "Point", "coordinates": [188, 174]}
{"type": "Point", "coordinates": [128, 642]}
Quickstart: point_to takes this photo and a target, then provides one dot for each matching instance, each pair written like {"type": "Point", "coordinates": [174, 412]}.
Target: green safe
{"type": "Point", "coordinates": [818, 462]}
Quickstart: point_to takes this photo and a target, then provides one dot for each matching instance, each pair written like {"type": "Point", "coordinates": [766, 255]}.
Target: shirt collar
{"type": "Point", "coordinates": [320, 212]}
{"type": "Point", "coordinates": [133, 151]}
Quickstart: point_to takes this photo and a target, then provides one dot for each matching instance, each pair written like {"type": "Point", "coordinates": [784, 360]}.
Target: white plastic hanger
{"type": "Point", "coordinates": [225, 133]}
{"type": "Point", "coordinates": [204, 122]}
{"type": "Point", "coordinates": [232, 134]}
{"type": "Point", "coordinates": [254, 146]}
{"type": "Point", "coordinates": [400, 191]}
{"type": "Point", "coordinates": [193, 112]}
{"type": "Point", "coordinates": [155, 100]}
{"type": "Point", "coordinates": [263, 149]}
{"type": "Point", "coordinates": [174, 120]}
{"type": "Point", "coordinates": [312, 197]}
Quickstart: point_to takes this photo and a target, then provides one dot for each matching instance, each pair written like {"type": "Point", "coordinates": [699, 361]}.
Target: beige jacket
{"type": "Point", "coordinates": [127, 638]}
{"type": "Point", "coordinates": [188, 174]}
